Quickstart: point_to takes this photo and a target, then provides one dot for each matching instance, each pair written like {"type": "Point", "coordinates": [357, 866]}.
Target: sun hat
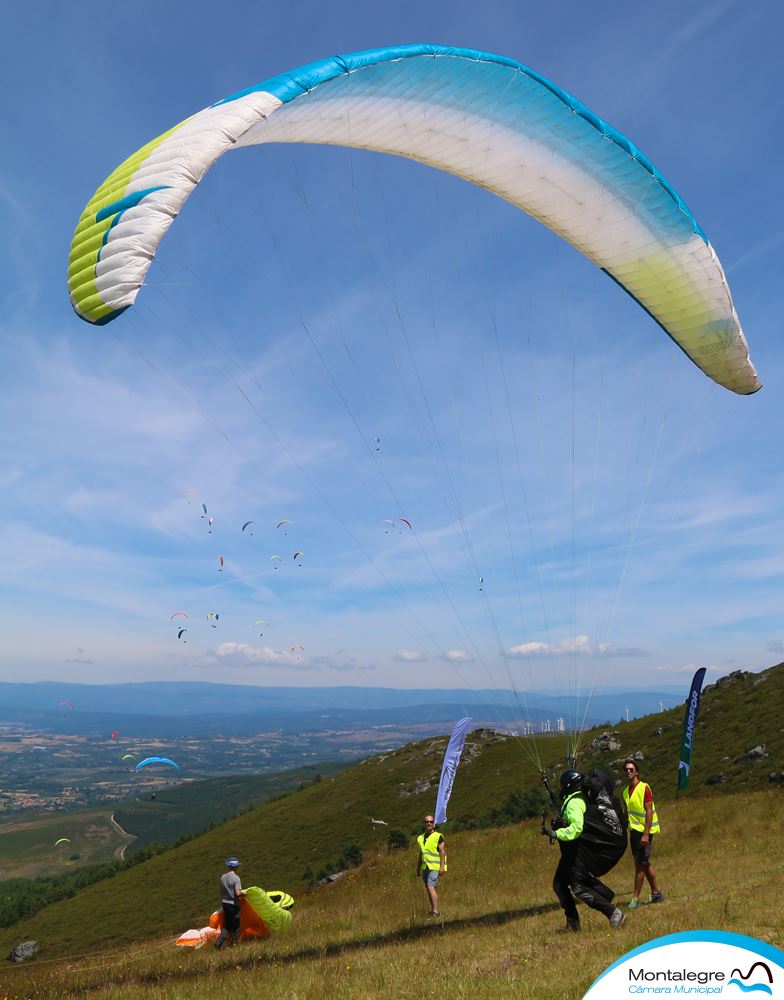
{"type": "Point", "coordinates": [231, 862]}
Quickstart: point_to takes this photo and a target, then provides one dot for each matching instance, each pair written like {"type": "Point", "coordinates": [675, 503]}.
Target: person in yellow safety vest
{"type": "Point", "coordinates": [431, 861]}
{"type": "Point", "coordinates": [643, 824]}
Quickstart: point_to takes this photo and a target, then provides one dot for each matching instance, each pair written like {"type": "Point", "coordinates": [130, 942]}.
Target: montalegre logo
{"type": "Point", "coordinates": [696, 964]}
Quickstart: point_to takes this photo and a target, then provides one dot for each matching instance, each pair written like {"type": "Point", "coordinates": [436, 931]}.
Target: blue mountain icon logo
{"type": "Point", "coordinates": [757, 987]}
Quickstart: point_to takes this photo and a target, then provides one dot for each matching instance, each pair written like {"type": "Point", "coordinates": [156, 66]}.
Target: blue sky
{"type": "Point", "coordinates": [624, 512]}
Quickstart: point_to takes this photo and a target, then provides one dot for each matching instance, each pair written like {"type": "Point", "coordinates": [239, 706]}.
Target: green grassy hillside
{"type": "Point", "coordinates": [27, 842]}
{"type": "Point", "coordinates": [191, 807]}
{"type": "Point", "coordinates": [279, 839]}
{"type": "Point", "coordinates": [367, 936]}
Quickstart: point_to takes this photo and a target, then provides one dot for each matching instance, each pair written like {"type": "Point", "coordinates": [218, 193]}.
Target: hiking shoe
{"type": "Point", "coordinates": [657, 897]}
{"type": "Point", "coordinates": [633, 904]}
{"type": "Point", "coordinates": [435, 913]}
{"type": "Point", "coordinates": [617, 918]}
{"type": "Point", "coordinates": [573, 924]}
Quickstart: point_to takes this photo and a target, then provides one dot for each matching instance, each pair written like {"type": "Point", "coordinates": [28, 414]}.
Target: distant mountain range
{"type": "Point", "coordinates": [179, 708]}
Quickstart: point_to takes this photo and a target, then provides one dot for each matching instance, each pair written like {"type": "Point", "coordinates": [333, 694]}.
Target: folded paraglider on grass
{"type": "Point", "coordinates": [261, 915]}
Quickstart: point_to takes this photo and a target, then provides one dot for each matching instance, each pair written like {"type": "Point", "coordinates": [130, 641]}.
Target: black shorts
{"type": "Point", "coordinates": [640, 852]}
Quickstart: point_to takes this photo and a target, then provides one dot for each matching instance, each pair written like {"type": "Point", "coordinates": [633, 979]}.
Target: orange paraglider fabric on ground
{"type": "Point", "coordinates": [197, 939]}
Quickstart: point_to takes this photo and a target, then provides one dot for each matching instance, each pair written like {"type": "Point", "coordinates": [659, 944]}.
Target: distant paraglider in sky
{"type": "Point", "coordinates": [181, 633]}
{"type": "Point", "coordinates": [180, 614]}
{"type": "Point", "coordinates": [297, 556]}
{"type": "Point", "coordinates": [213, 617]}
{"type": "Point", "coordinates": [115, 733]}
{"type": "Point", "coordinates": [283, 524]}
{"type": "Point", "coordinates": [276, 560]}
{"type": "Point", "coordinates": [62, 840]}
{"type": "Point", "coordinates": [220, 564]}
{"type": "Point", "coordinates": [246, 525]}
{"type": "Point", "coordinates": [149, 761]}
{"type": "Point", "coordinates": [129, 756]}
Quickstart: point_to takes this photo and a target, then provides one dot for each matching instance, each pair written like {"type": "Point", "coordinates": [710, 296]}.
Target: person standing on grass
{"type": "Point", "coordinates": [431, 861]}
{"type": "Point", "coordinates": [643, 824]}
{"type": "Point", "coordinates": [231, 892]}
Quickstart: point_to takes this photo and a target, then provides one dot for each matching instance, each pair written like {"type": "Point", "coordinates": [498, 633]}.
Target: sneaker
{"type": "Point", "coordinates": [435, 913]}
{"type": "Point", "coordinates": [573, 924]}
{"type": "Point", "coordinates": [633, 904]}
{"type": "Point", "coordinates": [617, 918]}
{"type": "Point", "coordinates": [657, 897]}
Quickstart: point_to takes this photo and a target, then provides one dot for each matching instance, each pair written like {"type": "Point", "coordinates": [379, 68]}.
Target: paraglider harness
{"type": "Point", "coordinates": [605, 823]}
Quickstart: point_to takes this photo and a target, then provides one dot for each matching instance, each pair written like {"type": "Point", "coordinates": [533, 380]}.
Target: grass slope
{"type": "Point", "coordinates": [27, 842]}
{"type": "Point", "coordinates": [279, 839]}
{"type": "Point", "coordinates": [190, 808]}
{"type": "Point", "coordinates": [718, 860]}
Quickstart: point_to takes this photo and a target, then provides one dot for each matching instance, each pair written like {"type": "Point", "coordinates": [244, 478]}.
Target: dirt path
{"type": "Point", "coordinates": [120, 851]}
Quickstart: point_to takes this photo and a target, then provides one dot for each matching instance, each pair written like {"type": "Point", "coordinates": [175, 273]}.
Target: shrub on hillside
{"type": "Point", "coordinates": [397, 840]}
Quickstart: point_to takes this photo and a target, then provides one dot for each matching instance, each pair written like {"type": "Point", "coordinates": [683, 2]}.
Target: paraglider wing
{"type": "Point", "coordinates": [115, 734]}
{"type": "Point", "coordinates": [281, 898]}
{"type": "Point", "coordinates": [297, 649]}
{"type": "Point", "coordinates": [129, 756]}
{"type": "Point", "coordinates": [298, 555]}
{"type": "Point", "coordinates": [68, 704]}
{"type": "Point", "coordinates": [62, 840]}
{"type": "Point", "coordinates": [246, 525]}
{"type": "Point", "coordinates": [181, 614]}
{"type": "Point", "coordinates": [275, 915]}
{"type": "Point", "coordinates": [204, 508]}
{"type": "Point", "coordinates": [406, 521]}
{"type": "Point", "coordinates": [485, 118]}
{"type": "Point", "coordinates": [155, 760]}
{"type": "Point", "coordinates": [181, 633]}
{"type": "Point", "coordinates": [280, 524]}
{"type": "Point", "coordinates": [220, 563]}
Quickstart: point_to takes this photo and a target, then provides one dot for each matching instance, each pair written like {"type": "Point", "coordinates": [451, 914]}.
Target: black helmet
{"type": "Point", "coordinates": [571, 781]}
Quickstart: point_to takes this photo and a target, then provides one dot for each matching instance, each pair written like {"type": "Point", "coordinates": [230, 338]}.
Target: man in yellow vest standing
{"type": "Point", "coordinates": [643, 824]}
{"type": "Point", "coordinates": [431, 861]}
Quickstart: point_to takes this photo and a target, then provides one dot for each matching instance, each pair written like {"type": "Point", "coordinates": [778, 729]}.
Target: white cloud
{"type": "Point", "coordinates": [240, 653]}
{"type": "Point", "coordinates": [457, 656]}
{"type": "Point", "coordinates": [410, 656]}
{"type": "Point", "coordinates": [579, 644]}
{"type": "Point", "coordinates": [691, 668]}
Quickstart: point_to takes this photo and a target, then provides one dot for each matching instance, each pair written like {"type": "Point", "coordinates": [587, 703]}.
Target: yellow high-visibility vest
{"type": "Point", "coordinates": [635, 806]}
{"type": "Point", "coordinates": [428, 849]}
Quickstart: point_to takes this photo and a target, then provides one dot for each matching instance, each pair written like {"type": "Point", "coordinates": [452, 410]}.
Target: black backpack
{"type": "Point", "coordinates": [605, 824]}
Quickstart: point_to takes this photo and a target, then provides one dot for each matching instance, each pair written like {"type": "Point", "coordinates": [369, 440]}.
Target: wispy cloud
{"type": "Point", "coordinates": [410, 656]}
{"type": "Point", "coordinates": [580, 644]}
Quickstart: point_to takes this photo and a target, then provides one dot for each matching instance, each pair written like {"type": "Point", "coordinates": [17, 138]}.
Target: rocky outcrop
{"type": "Point", "coordinates": [22, 951]}
{"type": "Point", "coordinates": [606, 743]}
